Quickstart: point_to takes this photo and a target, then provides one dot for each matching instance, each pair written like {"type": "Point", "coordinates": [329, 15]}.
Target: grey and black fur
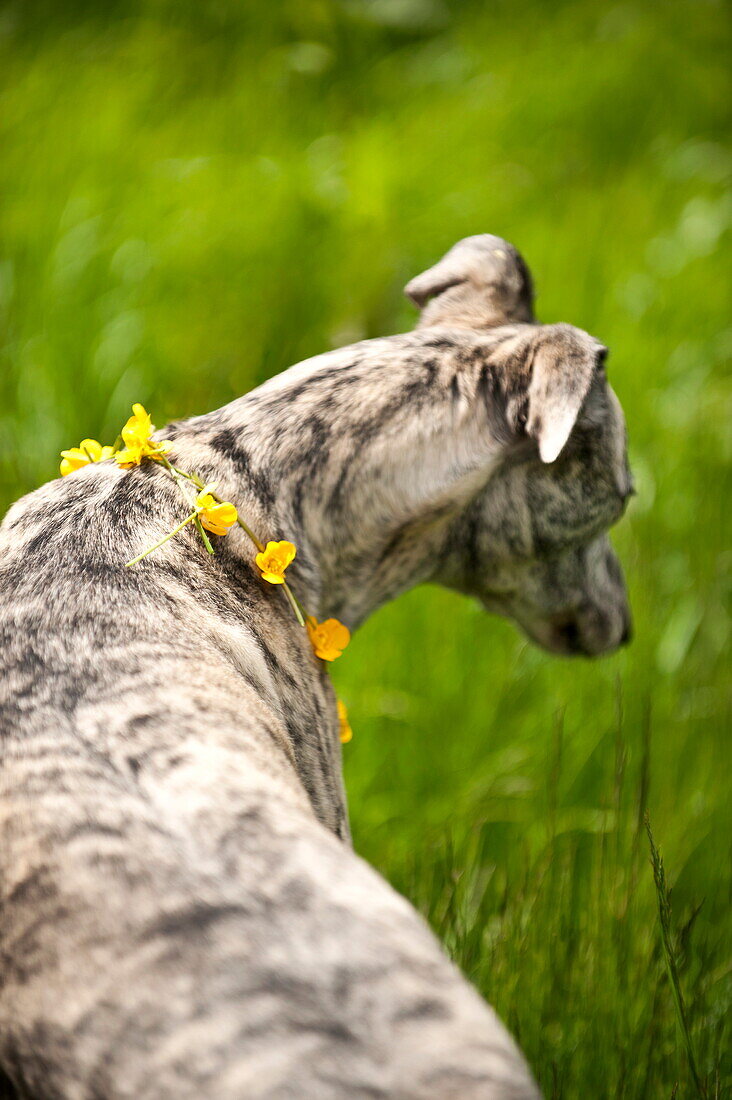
{"type": "Point", "coordinates": [181, 913]}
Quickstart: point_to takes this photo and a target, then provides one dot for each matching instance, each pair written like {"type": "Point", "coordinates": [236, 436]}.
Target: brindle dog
{"type": "Point", "coordinates": [181, 912]}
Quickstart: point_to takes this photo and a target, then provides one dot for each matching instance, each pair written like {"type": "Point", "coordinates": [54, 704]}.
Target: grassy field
{"type": "Point", "coordinates": [195, 196]}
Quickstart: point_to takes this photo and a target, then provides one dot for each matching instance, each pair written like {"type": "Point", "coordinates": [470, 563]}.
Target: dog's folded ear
{"type": "Point", "coordinates": [564, 361]}
{"type": "Point", "coordinates": [492, 268]}
{"type": "Point", "coordinates": [449, 271]}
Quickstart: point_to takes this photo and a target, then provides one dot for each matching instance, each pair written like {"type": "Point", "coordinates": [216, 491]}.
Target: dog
{"type": "Point", "coordinates": [181, 912]}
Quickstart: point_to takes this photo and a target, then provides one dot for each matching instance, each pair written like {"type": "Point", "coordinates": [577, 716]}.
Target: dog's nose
{"type": "Point", "coordinates": [570, 637]}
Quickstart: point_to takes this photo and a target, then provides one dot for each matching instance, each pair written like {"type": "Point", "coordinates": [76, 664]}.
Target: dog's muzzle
{"type": "Point", "coordinates": [590, 632]}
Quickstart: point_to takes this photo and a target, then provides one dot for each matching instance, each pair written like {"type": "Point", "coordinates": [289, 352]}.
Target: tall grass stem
{"type": "Point", "coordinates": [669, 954]}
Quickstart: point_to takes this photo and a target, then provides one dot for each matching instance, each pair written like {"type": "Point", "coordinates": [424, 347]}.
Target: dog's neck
{"type": "Point", "coordinates": [364, 462]}
{"type": "Point", "coordinates": [366, 459]}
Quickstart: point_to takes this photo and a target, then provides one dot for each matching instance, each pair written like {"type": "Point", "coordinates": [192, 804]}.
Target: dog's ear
{"type": "Point", "coordinates": [564, 363]}
{"type": "Point", "coordinates": [496, 272]}
{"type": "Point", "coordinates": [450, 271]}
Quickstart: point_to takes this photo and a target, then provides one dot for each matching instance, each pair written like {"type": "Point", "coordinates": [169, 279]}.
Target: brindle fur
{"type": "Point", "coordinates": [182, 913]}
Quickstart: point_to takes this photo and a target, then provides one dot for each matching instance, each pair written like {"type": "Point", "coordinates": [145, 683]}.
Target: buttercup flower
{"type": "Point", "coordinates": [346, 733]}
{"type": "Point", "coordinates": [89, 450]}
{"type": "Point", "coordinates": [136, 436]}
{"type": "Point", "coordinates": [328, 638]}
{"type": "Point", "coordinates": [216, 517]}
{"type": "Point", "coordinates": [274, 559]}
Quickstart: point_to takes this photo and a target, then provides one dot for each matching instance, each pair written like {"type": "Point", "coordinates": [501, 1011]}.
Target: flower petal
{"type": "Point", "coordinates": [345, 731]}
{"type": "Point", "coordinates": [328, 638]}
{"type": "Point", "coordinates": [92, 448]}
{"type": "Point", "coordinates": [129, 456]}
{"type": "Point", "coordinates": [286, 551]}
{"type": "Point", "coordinates": [214, 528]}
{"type": "Point", "coordinates": [226, 513]}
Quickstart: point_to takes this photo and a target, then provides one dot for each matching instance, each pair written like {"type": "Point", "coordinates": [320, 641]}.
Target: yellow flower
{"type": "Point", "coordinates": [215, 516]}
{"type": "Point", "coordinates": [328, 638]}
{"type": "Point", "coordinates": [346, 733]}
{"type": "Point", "coordinates": [136, 436]}
{"type": "Point", "coordinates": [89, 450]}
{"type": "Point", "coordinates": [139, 427]}
{"type": "Point", "coordinates": [274, 559]}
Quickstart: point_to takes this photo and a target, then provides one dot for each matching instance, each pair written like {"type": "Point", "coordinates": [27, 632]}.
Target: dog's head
{"type": "Point", "coordinates": [537, 535]}
{"type": "Point", "coordinates": [533, 544]}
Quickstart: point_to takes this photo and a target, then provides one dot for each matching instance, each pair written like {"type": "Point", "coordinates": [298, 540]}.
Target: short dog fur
{"type": "Point", "coordinates": [181, 913]}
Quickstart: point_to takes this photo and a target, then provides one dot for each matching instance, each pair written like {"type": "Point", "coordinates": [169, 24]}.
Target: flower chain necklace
{"type": "Point", "coordinates": [208, 512]}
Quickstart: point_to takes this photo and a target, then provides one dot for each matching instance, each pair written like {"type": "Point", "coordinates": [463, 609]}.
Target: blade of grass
{"type": "Point", "coordinates": [669, 954]}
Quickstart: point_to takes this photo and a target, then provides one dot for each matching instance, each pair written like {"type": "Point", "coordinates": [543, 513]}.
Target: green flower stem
{"type": "Point", "coordinates": [174, 472]}
{"type": "Point", "coordinates": [300, 606]}
{"type": "Point", "coordinates": [259, 545]}
{"type": "Point", "coordinates": [294, 603]}
{"type": "Point", "coordinates": [157, 545]}
{"type": "Point", "coordinates": [204, 536]}
{"type": "Point", "coordinates": [191, 477]}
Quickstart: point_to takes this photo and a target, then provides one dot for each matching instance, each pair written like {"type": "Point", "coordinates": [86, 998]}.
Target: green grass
{"type": "Point", "coordinates": [197, 195]}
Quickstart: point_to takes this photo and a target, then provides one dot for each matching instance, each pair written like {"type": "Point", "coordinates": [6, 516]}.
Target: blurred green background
{"type": "Point", "coordinates": [197, 195]}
